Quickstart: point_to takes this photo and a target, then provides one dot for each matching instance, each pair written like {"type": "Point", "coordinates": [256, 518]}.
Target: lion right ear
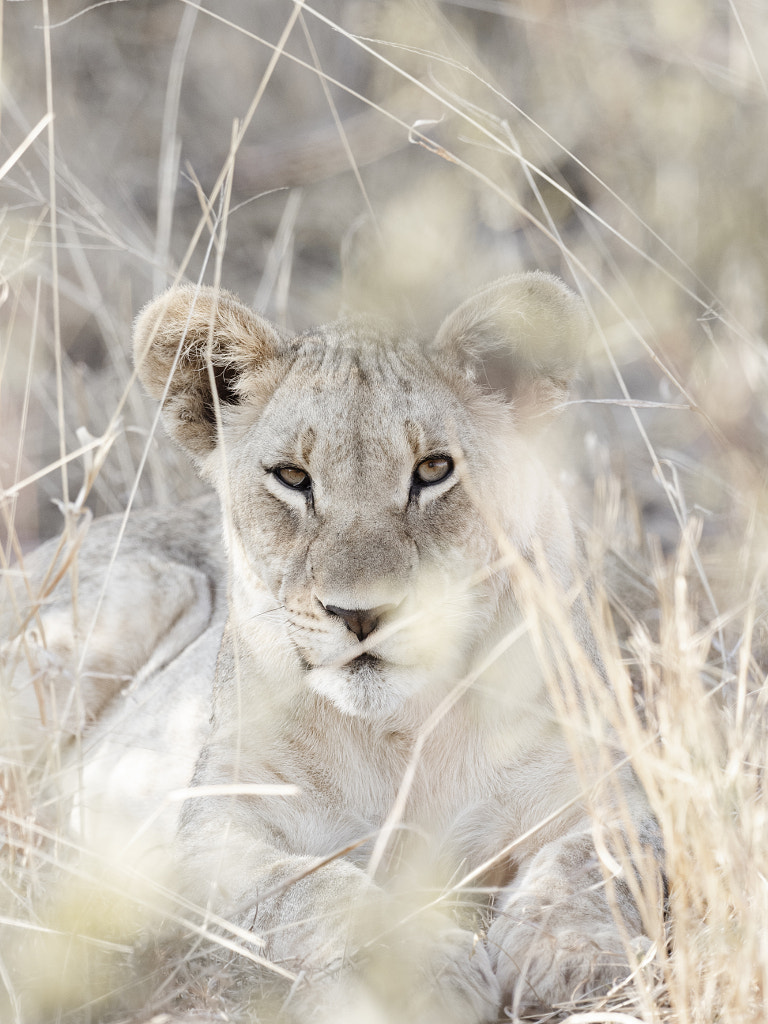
{"type": "Point", "coordinates": [521, 335]}
{"type": "Point", "coordinates": [194, 341]}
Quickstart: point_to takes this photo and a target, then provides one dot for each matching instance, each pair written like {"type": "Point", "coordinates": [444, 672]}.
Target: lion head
{"type": "Point", "coordinates": [371, 480]}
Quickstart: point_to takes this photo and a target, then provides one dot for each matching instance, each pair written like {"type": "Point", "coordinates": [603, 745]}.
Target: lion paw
{"type": "Point", "coordinates": [461, 974]}
{"type": "Point", "coordinates": [448, 980]}
{"type": "Point", "coordinates": [539, 966]}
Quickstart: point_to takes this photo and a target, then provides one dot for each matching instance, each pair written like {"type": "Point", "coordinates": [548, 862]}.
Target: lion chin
{"type": "Point", "coordinates": [367, 687]}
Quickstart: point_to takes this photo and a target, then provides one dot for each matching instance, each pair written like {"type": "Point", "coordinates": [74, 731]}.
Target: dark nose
{"type": "Point", "coordinates": [361, 621]}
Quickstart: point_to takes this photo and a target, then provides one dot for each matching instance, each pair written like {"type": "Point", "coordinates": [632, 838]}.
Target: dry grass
{"type": "Point", "coordinates": [619, 145]}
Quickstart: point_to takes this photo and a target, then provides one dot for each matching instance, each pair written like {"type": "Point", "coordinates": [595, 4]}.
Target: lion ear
{"type": "Point", "coordinates": [521, 335]}
{"type": "Point", "coordinates": [190, 342]}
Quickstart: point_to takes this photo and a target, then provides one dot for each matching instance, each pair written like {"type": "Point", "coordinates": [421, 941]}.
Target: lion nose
{"type": "Point", "coordinates": [361, 621]}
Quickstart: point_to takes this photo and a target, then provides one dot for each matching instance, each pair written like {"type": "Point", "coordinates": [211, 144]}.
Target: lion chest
{"type": "Point", "coordinates": [454, 798]}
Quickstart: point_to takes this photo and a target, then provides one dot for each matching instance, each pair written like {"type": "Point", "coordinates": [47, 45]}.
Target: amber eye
{"type": "Point", "coordinates": [293, 477]}
{"type": "Point", "coordinates": [432, 471]}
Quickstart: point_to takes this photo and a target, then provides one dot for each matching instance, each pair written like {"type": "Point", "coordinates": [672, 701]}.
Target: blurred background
{"type": "Point", "coordinates": [439, 144]}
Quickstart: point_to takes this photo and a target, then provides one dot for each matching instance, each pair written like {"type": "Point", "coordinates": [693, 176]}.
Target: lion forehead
{"type": "Point", "coordinates": [362, 352]}
{"type": "Point", "coordinates": [363, 394]}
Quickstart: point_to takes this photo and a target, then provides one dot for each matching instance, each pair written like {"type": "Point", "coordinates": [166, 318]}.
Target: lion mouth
{"type": "Point", "coordinates": [363, 661]}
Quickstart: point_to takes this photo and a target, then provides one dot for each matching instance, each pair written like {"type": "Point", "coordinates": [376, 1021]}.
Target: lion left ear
{"type": "Point", "coordinates": [522, 335]}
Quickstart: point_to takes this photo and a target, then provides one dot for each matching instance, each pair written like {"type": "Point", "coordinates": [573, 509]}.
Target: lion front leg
{"type": "Point", "coordinates": [556, 937]}
{"type": "Point", "coordinates": [348, 942]}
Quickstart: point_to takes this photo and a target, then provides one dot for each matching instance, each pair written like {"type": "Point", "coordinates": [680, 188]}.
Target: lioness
{"type": "Point", "coordinates": [386, 521]}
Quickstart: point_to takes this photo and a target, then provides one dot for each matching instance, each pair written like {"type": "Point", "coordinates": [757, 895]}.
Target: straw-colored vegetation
{"type": "Point", "coordinates": [621, 146]}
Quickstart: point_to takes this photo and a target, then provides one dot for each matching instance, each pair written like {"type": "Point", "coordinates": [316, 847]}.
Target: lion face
{"type": "Point", "coordinates": [350, 499]}
{"type": "Point", "coordinates": [365, 478]}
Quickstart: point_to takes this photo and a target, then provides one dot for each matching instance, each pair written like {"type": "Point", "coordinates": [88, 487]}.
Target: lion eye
{"type": "Point", "coordinates": [432, 471]}
{"type": "Point", "coordinates": [293, 477]}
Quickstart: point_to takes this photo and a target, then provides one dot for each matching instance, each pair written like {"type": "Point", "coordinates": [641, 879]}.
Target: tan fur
{"type": "Point", "coordinates": [106, 667]}
{"type": "Point", "coordinates": [428, 748]}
